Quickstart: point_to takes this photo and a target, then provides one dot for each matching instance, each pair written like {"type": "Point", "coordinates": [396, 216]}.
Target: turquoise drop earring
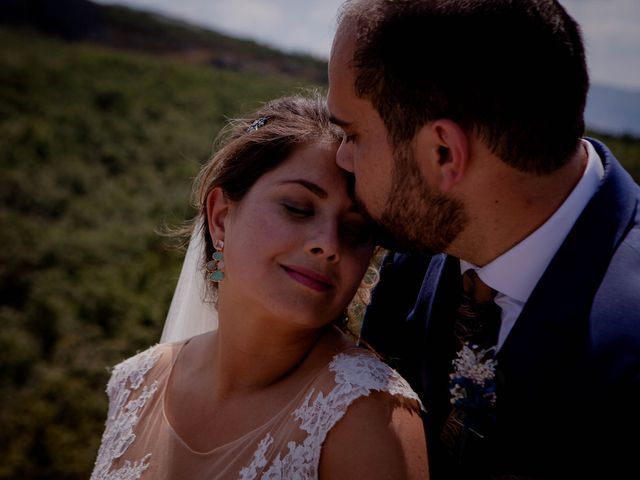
{"type": "Point", "coordinates": [216, 265]}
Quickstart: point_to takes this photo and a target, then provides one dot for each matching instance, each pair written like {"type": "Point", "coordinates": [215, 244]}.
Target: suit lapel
{"type": "Point", "coordinates": [555, 316]}
{"type": "Point", "coordinates": [433, 317]}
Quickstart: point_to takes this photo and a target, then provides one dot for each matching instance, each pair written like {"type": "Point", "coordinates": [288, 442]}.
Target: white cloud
{"type": "Point", "coordinates": [612, 39]}
{"type": "Point", "coordinates": [249, 17]}
{"type": "Point", "coordinates": [292, 25]}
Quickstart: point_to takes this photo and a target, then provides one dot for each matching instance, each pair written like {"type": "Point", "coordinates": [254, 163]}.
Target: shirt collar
{"type": "Point", "coordinates": [516, 272]}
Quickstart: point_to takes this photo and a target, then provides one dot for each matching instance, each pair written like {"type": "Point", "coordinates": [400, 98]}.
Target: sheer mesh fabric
{"type": "Point", "coordinates": [139, 442]}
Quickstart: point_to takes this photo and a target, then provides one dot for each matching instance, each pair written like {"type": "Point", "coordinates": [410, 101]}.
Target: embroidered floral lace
{"type": "Point", "coordinates": [123, 415]}
{"type": "Point", "coordinates": [138, 441]}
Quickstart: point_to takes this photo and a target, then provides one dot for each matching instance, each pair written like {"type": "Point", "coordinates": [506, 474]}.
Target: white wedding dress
{"type": "Point", "coordinates": [139, 441]}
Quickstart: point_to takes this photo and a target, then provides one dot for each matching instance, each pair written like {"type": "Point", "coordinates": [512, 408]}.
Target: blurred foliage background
{"type": "Point", "coordinates": [98, 150]}
{"type": "Point", "coordinates": [99, 147]}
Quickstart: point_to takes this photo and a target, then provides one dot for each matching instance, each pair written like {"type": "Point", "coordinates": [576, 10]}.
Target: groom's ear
{"type": "Point", "coordinates": [442, 151]}
{"type": "Point", "coordinates": [218, 206]}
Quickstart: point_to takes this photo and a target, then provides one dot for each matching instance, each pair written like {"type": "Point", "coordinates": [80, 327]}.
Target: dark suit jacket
{"type": "Point", "coordinates": [568, 399]}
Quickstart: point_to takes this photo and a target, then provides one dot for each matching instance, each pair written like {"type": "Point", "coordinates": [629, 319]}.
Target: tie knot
{"type": "Point", "coordinates": [476, 289]}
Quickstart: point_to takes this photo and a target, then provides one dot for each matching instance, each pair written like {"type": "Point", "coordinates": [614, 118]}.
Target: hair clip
{"type": "Point", "coordinates": [260, 122]}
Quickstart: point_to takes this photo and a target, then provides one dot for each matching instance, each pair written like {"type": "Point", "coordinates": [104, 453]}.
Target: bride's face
{"type": "Point", "coordinates": [296, 245]}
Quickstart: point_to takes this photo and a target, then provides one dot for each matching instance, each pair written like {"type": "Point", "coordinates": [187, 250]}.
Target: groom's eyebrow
{"type": "Point", "coordinates": [312, 187]}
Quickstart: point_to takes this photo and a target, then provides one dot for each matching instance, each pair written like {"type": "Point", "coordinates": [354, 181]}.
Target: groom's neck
{"type": "Point", "coordinates": [505, 205]}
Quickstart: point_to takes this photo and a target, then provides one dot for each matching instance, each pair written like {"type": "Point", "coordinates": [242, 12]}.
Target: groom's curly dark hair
{"type": "Point", "coordinates": [511, 71]}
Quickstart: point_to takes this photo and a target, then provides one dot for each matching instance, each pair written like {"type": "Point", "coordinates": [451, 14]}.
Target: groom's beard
{"type": "Point", "coordinates": [416, 219]}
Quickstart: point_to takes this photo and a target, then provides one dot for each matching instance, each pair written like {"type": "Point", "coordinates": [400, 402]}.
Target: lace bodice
{"type": "Point", "coordinates": [139, 442]}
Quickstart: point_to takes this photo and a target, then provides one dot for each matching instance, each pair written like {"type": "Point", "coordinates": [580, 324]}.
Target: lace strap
{"type": "Point", "coordinates": [129, 373]}
{"type": "Point", "coordinates": [126, 378]}
{"type": "Point", "coordinates": [356, 375]}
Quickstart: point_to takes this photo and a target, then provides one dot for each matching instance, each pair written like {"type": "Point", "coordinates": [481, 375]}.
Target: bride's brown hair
{"type": "Point", "coordinates": [252, 146]}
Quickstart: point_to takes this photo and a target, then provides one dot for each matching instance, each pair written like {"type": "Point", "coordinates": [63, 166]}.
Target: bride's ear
{"type": "Point", "coordinates": [217, 210]}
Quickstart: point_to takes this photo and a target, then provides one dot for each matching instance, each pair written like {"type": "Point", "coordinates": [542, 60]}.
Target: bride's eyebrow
{"type": "Point", "coordinates": [312, 187]}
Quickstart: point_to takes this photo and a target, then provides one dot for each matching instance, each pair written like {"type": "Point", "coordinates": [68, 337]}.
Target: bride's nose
{"type": "Point", "coordinates": [325, 242]}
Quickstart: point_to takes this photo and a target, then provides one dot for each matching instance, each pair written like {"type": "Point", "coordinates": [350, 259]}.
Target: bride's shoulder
{"type": "Point", "coordinates": [383, 417]}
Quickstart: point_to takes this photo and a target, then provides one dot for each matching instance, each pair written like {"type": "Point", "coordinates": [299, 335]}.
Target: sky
{"type": "Point", "coordinates": [610, 27]}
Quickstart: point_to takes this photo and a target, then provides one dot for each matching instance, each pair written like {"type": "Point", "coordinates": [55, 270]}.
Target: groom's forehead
{"type": "Point", "coordinates": [344, 46]}
{"type": "Point", "coordinates": [342, 75]}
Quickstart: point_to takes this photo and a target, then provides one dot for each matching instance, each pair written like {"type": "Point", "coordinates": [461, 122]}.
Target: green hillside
{"type": "Point", "coordinates": [98, 149]}
{"type": "Point", "coordinates": [129, 29]}
{"type": "Point", "coordinates": [626, 148]}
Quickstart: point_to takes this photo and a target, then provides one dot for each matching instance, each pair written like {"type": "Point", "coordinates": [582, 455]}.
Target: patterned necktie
{"type": "Point", "coordinates": [472, 384]}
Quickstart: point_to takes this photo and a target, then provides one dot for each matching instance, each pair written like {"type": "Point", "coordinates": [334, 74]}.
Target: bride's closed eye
{"type": "Point", "coordinates": [297, 210]}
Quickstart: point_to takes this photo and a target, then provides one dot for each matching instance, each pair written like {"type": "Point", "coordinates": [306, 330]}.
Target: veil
{"type": "Point", "coordinates": [190, 314]}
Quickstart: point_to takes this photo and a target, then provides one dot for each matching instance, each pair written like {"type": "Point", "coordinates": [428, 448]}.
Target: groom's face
{"type": "Point", "coordinates": [365, 150]}
{"type": "Point", "coordinates": [389, 184]}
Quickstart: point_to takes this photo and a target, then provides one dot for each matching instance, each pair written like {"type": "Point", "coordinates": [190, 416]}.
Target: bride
{"type": "Point", "coordinates": [278, 390]}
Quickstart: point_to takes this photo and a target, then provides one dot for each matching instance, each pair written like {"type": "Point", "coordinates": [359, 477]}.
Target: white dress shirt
{"type": "Point", "coordinates": [515, 273]}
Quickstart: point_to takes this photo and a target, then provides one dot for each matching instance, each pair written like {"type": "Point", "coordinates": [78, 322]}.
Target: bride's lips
{"type": "Point", "coordinates": [309, 278]}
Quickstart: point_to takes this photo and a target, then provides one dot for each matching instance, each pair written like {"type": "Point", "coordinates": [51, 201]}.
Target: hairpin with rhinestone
{"type": "Point", "coordinates": [256, 124]}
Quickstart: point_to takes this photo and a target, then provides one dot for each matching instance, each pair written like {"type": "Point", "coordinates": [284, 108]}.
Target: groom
{"type": "Point", "coordinates": [463, 124]}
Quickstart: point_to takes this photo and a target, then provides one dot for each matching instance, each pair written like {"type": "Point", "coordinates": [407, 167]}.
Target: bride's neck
{"type": "Point", "coordinates": [242, 357]}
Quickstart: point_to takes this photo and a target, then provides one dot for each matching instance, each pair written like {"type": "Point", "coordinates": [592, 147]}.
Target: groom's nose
{"type": "Point", "coordinates": [344, 158]}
